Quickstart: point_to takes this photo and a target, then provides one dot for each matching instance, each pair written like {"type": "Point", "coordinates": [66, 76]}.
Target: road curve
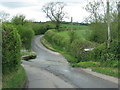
{"type": "Point", "coordinates": [51, 70]}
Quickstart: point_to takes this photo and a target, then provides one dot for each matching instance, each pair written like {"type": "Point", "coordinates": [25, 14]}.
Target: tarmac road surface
{"type": "Point", "coordinates": [51, 70]}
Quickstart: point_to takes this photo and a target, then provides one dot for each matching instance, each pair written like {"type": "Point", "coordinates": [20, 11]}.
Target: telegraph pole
{"type": "Point", "coordinates": [108, 25]}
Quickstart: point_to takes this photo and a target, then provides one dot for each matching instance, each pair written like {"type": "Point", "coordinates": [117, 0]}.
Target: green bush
{"type": "Point", "coordinates": [41, 28]}
{"type": "Point", "coordinates": [114, 30]}
{"type": "Point", "coordinates": [77, 49]}
{"type": "Point", "coordinates": [38, 28]}
{"type": "Point", "coordinates": [98, 32]}
{"type": "Point", "coordinates": [49, 34]}
{"type": "Point", "coordinates": [27, 37]}
{"type": "Point", "coordinates": [26, 34]}
{"type": "Point", "coordinates": [100, 52]}
{"type": "Point", "coordinates": [11, 46]}
{"type": "Point", "coordinates": [108, 56]}
{"type": "Point", "coordinates": [18, 20]}
{"type": "Point", "coordinates": [64, 43]}
{"type": "Point", "coordinates": [72, 36]}
{"type": "Point", "coordinates": [104, 53]}
{"type": "Point", "coordinates": [55, 38]}
{"type": "Point", "coordinates": [114, 49]}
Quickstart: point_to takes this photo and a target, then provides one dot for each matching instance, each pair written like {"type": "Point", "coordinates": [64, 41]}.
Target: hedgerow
{"type": "Point", "coordinates": [26, 33]}
{"type": "Point", "coordinates": [74, 47]}
{"type": "Point", "coordinates": [107, 56]}
{"type": "Point", "coordinates": [11, 46]}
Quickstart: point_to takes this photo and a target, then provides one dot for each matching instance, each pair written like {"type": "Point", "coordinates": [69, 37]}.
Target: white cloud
{"type": "Point", "coordinates": [77, 12]}
{"type": "Point", "coordinates": [32, 10]}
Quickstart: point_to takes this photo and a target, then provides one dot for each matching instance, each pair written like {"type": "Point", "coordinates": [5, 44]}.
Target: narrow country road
{"type": "Point", "coordinates": [51, 70]}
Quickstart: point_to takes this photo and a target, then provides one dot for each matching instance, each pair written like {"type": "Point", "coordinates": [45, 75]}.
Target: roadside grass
{"type": "Point", "coordinates": [108, 71]}
{"type": "Point", "coordinates": [55, 48]}
{"type": "Point", "coordinates": [69, 57]}
{"type": "Point", "coordinates": [86, 64]}
{"type": "Point", "coordinates": [46, 44]}
{"type": "Point", "coordinates": [14, 80]}
{"type": "Point", "coordinates": [95, 66]}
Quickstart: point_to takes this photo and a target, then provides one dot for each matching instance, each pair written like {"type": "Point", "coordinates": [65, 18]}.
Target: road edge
{"type": "Point", "coordinates": [89, 71]}
{"type": "Point", "coordinates": [25, 82]}
{"type": "Point", "coordinates": [100, 75]}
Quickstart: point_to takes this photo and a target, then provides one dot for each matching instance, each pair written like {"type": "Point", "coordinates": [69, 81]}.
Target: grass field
{"type": "Point", "coordinates": [75, 27]}
{"type": "Point", "coordinates": [80, 34]}
{"type": "Point", "coordinates": [82, 31]}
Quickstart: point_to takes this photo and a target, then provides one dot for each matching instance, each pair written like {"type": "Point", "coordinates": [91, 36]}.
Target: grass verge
{"type": "Point", "coordinates": [70, 58]}
{"type": "Point", "coordinates": [86, 64]}
{"type": "Point", "coordinates": [108, 71]}
{"type": "Point", "coordinates": [96, 66]}
{"type": "Point", "coordinates": [46, 44]}
{"type": "Point", "coordinates": [14, 80]}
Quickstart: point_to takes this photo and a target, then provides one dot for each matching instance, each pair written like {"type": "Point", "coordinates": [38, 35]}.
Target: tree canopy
{"type": "Point", "coordinates": [18, 19]}
{"type": "Point", "coordinates": [55, 12]}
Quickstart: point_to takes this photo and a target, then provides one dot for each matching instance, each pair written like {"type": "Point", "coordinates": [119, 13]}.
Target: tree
{"type": "Point", "coordinates": [98, 26]}
{"type": "Point", "coordinates": [101, 18]}
{"type": "Point", "coordinates": [3, 16]}
{"type": "Point", "coordinates": [54, 11]}
{"type": "Point", "coordinates": [26, 34]}
{"type": "Point", "coordinates": [92, 8]}
{"type": "Point", "coordinates": [18, 19]}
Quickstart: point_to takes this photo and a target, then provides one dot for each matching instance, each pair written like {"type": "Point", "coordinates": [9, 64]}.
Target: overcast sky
{"type": "Point", "coordinates": [32, 9]}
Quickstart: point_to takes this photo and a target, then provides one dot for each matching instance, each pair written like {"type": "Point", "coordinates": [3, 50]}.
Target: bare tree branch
{"type": "Point", "coordinates": [55, 12]}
